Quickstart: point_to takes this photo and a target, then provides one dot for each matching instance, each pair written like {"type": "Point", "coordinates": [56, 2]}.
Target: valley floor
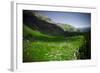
{"type": "Point", "coordinates": [40, 47]}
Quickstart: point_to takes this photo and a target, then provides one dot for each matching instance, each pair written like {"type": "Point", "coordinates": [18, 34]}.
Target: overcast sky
{"type": "Point", "coordinates": [78, 20]}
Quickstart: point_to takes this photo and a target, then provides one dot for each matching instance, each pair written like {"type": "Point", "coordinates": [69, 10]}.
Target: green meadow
{"type": "Point", "coordinates": [42, 47]}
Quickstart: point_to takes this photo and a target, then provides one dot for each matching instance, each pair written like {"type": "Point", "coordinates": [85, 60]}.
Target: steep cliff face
{"type": "Point", "coordinates": [44, 26]}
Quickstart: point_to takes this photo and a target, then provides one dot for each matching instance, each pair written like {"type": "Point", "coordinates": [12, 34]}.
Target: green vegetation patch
{"type": "Point", "coordinates": [42, 47]}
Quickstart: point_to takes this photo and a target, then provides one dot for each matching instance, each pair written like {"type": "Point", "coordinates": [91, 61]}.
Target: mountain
{"type": "Point", "coordinates": [41, 23]}
{"type": "Point", "coordinates": [85, 29]}
{"type": "Point", "coordinates": [67, 27]}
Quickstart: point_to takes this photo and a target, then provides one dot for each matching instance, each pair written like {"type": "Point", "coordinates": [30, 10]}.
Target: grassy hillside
{"type": "Point", "coordinates": [44, 26]}
{"type": "Point", "coordinates": [49, 48]}
{"type": "Point", "coordinates": [67, 27]}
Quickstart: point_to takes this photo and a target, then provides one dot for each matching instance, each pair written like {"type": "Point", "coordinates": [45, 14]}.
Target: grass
{"type": "Point", "coordinates": [41, 47]}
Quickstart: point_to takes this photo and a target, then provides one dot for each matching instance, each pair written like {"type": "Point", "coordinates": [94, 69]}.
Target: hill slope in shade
{"type": "Point", "coordinates": [34, 22]}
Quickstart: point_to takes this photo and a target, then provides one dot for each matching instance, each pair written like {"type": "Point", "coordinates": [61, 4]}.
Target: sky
{"type": "Point", "coordinates": [76, 19]}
